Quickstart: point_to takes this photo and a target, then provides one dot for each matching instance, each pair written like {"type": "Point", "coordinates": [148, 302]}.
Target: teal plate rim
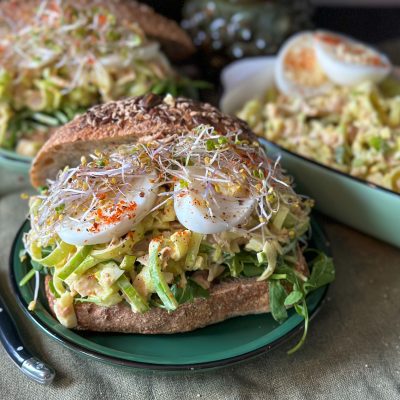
{"type": "Point", "coordinates": [99, 352]}
{"type": "Point", "coordinates": [265, 142]}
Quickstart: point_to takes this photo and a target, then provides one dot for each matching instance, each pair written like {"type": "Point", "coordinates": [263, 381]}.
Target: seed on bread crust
{"type": "Point", "coordinates": [137, 119]}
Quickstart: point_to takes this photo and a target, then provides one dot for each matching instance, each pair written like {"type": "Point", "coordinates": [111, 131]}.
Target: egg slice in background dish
{"type": "Point", "coordinates": [347, 61]}
{"type": "Point", "coordinates": [113, 218]}
{"type": "Point", "coordinates": [241, 70]}
{"type": "Point", "coordinates": [252, 86]}
{"type": "Point", "coordinates": [297, 70]}
{"type": "Point", "coordinates": [202, 208]}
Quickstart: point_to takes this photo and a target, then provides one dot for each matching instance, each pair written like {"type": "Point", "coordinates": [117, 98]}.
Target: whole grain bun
{"type": "Point", "coordinates": [138, 119]}
{"type": "Point", "coordinates": [231, 298]}
{"type": "Point", "coordinates": [17, 14]}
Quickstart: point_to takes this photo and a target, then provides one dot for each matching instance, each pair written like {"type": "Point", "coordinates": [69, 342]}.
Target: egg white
{"type": "Point", "coordinates": [348, 73]}
{"type": "Point", "coordinates": [143, 192]}
{"type": "Point", "coordinates": [194, 214]}
{"type": "Point", "coordinates": [301, 41]}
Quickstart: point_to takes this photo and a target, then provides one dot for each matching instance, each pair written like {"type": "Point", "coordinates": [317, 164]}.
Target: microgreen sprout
{"type": "Point", "coordinates": [227, 162]}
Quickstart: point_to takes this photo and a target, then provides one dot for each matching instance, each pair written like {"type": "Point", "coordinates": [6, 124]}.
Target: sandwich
{"type": "Point", "coordinates": [159, 215]}
{"type": "Point", "coordinates": [59, 57]}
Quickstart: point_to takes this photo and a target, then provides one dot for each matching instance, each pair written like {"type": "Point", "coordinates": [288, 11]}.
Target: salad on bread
{"type": "Point", "coordinates": [158, 223]}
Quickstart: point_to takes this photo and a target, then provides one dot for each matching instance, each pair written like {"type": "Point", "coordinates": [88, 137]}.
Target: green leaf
{"type": "Point", "coordinates": [206, 248]}
{"type": "Point", "coordinates": [302, 310]}
{"type": "Point", "coordinates": [247, 257]}
{"type": "Point", "coordinates": [36, 266]}
{"type": "Point", "coordinates": [251, 270]}
{"type": "Point", "coordinates": [289, 273]}
{"type": "Point", "coordinates": [188, 293]}
{"type": "Point", "coordinates": [322, 273]}
{"type": "Point", "coordinates": [235, 265]}
{"type": "Point", "coordinates": [293, 298]}
{"type": "Point", "coordinates": [277, 296]}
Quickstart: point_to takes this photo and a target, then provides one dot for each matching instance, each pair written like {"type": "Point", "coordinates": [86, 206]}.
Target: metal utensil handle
{"type": "Point", "coordinates": [14, 346]}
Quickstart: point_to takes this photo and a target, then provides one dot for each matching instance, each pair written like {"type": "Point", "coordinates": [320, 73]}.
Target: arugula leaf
{"type": "Point", "coordinates": [293, 298]}
{"type": "Point", "coordinates": [322, 273]}
{"type": "Point", "coordinates": [248, 257]}
{"type": "Point", "coordinates": [189, 292]}
{"type": "Point", "coordinates": [288, 271]}
{"type": "Point", "coordinates": [277, 296]}
{"type": "Point", "coordinates": [245, 263]}
{"type": "Point", "coordinates": [251, 270]}
{"type": "Point", "coordinates": [302, 310]}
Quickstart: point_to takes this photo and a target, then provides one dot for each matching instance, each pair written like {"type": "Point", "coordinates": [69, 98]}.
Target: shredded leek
{"type": "Point", "coordinates": [194, 246]}
{"type": "Point", "coordinates": [74, 262]}
{"type": "Point", "coordinates": [157, 277]}
{"type": "Point", "coordinates": [136, 301]}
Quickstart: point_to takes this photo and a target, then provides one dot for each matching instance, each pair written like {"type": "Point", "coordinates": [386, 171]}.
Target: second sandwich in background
{"type": "Point", "coordinates": [57, 58]}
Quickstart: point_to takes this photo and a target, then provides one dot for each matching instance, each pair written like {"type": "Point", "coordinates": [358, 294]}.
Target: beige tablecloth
{"type": "Point", "coordinates": [352, 352]}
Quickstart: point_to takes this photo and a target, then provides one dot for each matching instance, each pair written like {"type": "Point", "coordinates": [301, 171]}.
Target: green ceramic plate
{"type": "Point", "coordinates": [364, 206]}
{"type": "Point", "coordinates": [218, 345]}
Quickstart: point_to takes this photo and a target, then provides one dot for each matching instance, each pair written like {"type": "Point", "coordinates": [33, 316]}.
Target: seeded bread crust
{"type": "Point", "coordinates": [227, 299]}
{"type": "Point", "coordinates": [137, 119]}
{"type": "Point", "coordinates": [16, 14]}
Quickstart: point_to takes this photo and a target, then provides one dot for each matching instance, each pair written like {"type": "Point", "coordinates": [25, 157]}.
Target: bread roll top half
{"type": "Point", "coordinates": [138, 119]}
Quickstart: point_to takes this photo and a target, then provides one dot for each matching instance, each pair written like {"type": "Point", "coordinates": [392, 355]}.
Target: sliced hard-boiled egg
{"type": "Point", "coordinates": [297, 70]}
{"type": "Point", "coordinates": [200, 208]}
{"type": "Point", "coordinates": [347, 61]}
{"type": "Point", "coordinates": [112, 218]}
